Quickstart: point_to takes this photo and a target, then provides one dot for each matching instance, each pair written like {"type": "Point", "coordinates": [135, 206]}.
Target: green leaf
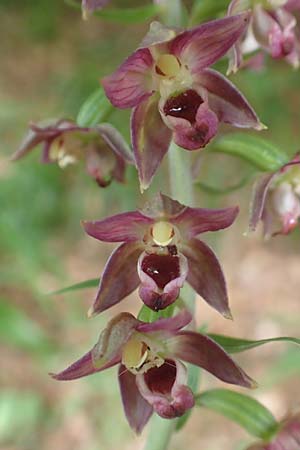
{"type": "Point", "coordinates": [94, 282]}
{"type": "Point", "coordinates": [95, 109]}
{"type": "Point", "coordinates": [262, 154]}
{"type": "Point", "coordinates": [129, 15]}
{"type": "Point", "coordinates": [194, 373]}
{"type": "Point", "coordinates": [241, 409]}
{"type": "Point", "coordinates": [216, 190]}
{"type": "Point", "coordinates": [237, 345]}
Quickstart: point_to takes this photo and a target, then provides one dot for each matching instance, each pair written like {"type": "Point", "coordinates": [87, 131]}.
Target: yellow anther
{"type": "Point", "coordinates": [56, 149]}
{"type": "Point", "coordinates": [168, 65]}
{"type": "Point", "coordinates": [59, 153]}
{"type": "Point", "coordinates": [162, 233]}
{"type": "Point", "coordinates": [134, 354]}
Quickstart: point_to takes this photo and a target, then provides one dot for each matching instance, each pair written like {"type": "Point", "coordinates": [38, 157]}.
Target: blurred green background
{"type": "Point", "coordinates": [50, 62]}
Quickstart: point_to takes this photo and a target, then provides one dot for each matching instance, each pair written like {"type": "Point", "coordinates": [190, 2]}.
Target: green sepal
{"type": "Point", "coordinates": [95, 109]}
{"type": "Point", "coordinates": [262, 154]}
{"type": "Point", "coordinates": [241, 409]}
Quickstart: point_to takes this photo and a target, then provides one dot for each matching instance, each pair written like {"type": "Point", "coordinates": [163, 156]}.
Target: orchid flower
{"type": "Point", "coordinates": [159, 251]}
{"type": "Point", "coordinates": [288, 437]}
{"type": "Point", "coordinates": [89, 6]}
{"type": "Point", "coordinates": [152, 376]}
{"type": "Point", "coordinates": [102, 148]}
{"type": "Point", "coordinates": [175, 94]}
{"type": "Point", "coordinates": [276, 200]}
{"type": "Point", "coordinates": [272, 28]}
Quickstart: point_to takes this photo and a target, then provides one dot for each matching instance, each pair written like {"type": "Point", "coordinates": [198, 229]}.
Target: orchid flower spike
{"type": "Point", "coordinates": [272, 29]}
{"type": "Point", "coordinates": [102, 148]}
{"type": "Point", "coordinates": [276, 200]}
{"type": "Point", "coordinates": [173, 92]}
{"type": "Point", "coordinates": [159, 251]}
{"type": "Point", "coordinates": [152, 376]}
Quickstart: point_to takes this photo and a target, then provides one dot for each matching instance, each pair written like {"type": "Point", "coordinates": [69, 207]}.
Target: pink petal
{"type": "Point", "coordinates": [227, 101]}
{"type": "Point", "coordinates": [205, 275]}
{"type": "Point", "coordinates": [119, 277]}
{"type": "Point", "coordinates": [131, 83]}
{"type": "Point", "coordinates": [193, 221]}
{"type": "Point", "coordinates": [82, 368]}
{"type": "Point", "coordinates": [150, 139]}
{"type": "Point", "coordinates": [115, 141]}
{"type": "Point", "coordinates": [38, 134]}
{"type": "Point", "coordinates": [260, 191]}
{"type": "Point", "coordinates": [202, 351]}
{"type": "Point", "coordinates": [124, 227]}
{"type": "Point", "coordinates": [137, 410]}
{"type": "Point", "coordinates": [170, 324]}
{"type": "Point", "coordinates": [203, 45]}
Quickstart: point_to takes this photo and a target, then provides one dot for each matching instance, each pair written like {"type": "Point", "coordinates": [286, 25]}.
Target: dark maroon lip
{"type": "Point", "coordinates": [184, 105]}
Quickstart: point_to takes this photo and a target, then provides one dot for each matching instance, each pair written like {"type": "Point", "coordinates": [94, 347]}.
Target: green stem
{"type": "Point", "coordinates": [180, 175]}
{"type": "Point", "coordinates": [161, 430]}
{"type": "Point", "coordinates": [160, 433]}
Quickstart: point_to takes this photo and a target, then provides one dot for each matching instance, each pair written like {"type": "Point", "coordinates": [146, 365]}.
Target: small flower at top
{"type": "Point", "coordinates": [90, 6]}
{"type": "Point", "coordinates": [276, 200]}
{"type": "Point", "coordinates": [174, 93]}
{"type": "Point", "coordinates": [152, 376]}
{"type": "Point", "coordinates": [102, 148]}
{"type": "Point", "coordinates": [287, 437]}
{"type": "Point", "coordinates": [272, 29]}
{"type": "Point", "coordinates": [159, 251]}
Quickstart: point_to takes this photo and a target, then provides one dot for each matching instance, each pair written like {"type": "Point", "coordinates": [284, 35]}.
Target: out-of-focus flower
{"type": "Point", "coordinates": [89, 6]}
{"type": "Point", "coordinates": [151, 374]}
{"type": "Point", "coordinates": [174, 93]}
{"type": "Point", "coordinates": [159, 252]}
{"type": "Point", "coordinates": [102, 148]}
{"type": "Point", "coordinates": [276, 200]}
{"type": "Point", "coordinates": [287, 438]}
{"type": "Point", "coordinates": [272, 29]}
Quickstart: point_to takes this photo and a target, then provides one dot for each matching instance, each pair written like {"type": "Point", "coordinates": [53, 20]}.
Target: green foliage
{"type": "Point", "coordinates": [242, 409]}
{"type": "Point", "coordinates": [128, 15]}
{"type": "Point", "coordinates": [236, 345]}
{"type": "Point", "coordinates": [78, 286]}
{"type": "Point", "coordinates": [95, 109]}
{"type": "Point", "coordinates": [20, 415]}
{"type": "Point", "coordinates": [19, 330]}
{"type": "Point", "coordinates": [258, 152]}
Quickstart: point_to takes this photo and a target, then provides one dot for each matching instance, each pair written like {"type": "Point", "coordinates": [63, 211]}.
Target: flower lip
{"type": "Point", "coordinates": [184, 106]}
{"type": "Point", "coordinates": [161, 268]}
{"type": "Point", "coordinates": [161, 379]}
